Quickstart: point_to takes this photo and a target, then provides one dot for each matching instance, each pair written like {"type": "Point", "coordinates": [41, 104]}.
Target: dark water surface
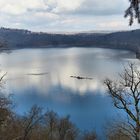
{"type": "Point", "coordinates": [42, 76]}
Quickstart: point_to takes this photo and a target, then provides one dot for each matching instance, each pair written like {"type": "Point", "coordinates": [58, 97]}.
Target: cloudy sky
{"type": "Point", "coordinates": [64, 15]}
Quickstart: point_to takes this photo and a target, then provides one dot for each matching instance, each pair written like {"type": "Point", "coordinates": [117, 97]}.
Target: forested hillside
{"type": "Point", "coordinates": [14, 39]}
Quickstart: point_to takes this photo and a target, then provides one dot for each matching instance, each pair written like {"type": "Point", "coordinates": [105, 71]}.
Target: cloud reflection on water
{"type": "Point", "coordinates": [60, 65]}
{"type": "Point", "coordinates": [85, 100]}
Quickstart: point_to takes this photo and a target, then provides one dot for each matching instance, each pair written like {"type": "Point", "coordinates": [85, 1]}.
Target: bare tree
{"type": "Point", "coordinates": [115, 130]}
{"type": "Point", "coordinates": [118, 134]}
{"type": "Point", "coordinates": [4, 109]}
{"type": "Point", "coordinates": [51, 121]}
{"type": "Point", "coordinates": [125, 94]}
{"type": "Point", "coordinates": [31, 120]}
{"type": "Point", "coordinates": [133, 11]}
{"type": "Point", "coordinates": [4, 105]}
{"type": "Point", "coordinates": [6, 113]}
{"type": "Point", "coordinates": [58, 128]}
{"type": "Point", "coordinates": [66, 129]}
{"type": "Point", "coordinates": [90, 136]}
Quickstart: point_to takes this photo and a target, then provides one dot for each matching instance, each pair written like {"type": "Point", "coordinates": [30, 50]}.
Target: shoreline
{"type": "Point", "coordinates": [10, 49]}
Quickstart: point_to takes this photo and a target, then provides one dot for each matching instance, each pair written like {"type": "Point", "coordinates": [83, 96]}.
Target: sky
{"type": "Point", "coordinates": [65, 15]}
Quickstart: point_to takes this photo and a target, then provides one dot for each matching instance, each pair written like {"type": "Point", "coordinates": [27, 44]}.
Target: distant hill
{"type": "Point", "coordinates": [16, 39]}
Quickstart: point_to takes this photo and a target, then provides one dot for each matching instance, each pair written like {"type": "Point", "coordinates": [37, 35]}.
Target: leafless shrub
{"type": "Point", "coordinates": [126, 96]}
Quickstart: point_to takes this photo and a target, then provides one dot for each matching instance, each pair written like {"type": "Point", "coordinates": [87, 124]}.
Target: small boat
{"type": "Point", "coordinates": [80, 78]}
{"type": "Point", "coordinates": [37, 74]}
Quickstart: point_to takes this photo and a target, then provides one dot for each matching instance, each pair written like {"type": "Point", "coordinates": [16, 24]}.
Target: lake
{"type": "Point", "coordinates": [43, 77]}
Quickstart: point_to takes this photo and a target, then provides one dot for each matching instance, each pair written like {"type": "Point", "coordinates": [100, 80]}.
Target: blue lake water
{"type": "Point", "coordinates": [42, 77]}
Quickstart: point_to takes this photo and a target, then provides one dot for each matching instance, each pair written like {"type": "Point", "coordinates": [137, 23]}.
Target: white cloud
{"type": "Point", "coordinates": [63, 6]}
{"type": "Point", "coordinates": [64, 15]}
{"type": "Point", "coordinates": [60, 6]}
{"type": "Point", "coordinates": [19, 6]}
{"type": "Point", "coordinates": [94, 7]}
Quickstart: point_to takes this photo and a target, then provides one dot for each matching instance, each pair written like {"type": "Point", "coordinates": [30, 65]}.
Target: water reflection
{"type": "Point", "coordinates": [89, 111]}
{"type": "Point", "coordinates": [60, 65]}
{"type": "Point", "coordinates": [84, 100]}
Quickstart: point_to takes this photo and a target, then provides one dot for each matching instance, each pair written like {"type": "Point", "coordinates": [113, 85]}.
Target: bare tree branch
{"type": "Point", "coordinates": [126, 95]}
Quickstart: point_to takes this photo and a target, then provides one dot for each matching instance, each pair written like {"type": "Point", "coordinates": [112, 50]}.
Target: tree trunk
{"type": "Point", "coordinates": [138, 132]}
